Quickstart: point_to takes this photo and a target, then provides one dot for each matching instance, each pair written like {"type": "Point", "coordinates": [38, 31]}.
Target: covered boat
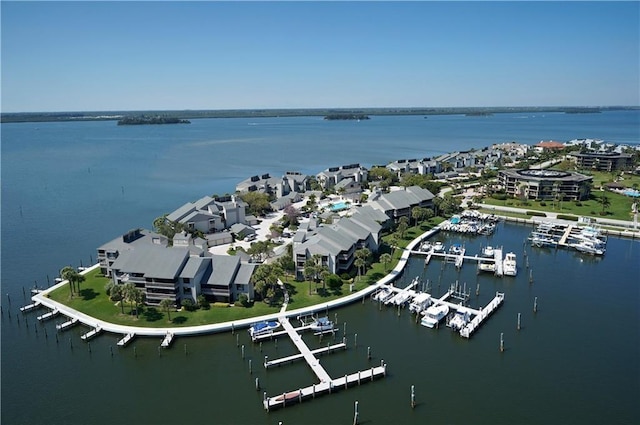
{"type": "Point", "coordinates": [434, 314]}
{"type": "Point", "coordinates": [262, 328]}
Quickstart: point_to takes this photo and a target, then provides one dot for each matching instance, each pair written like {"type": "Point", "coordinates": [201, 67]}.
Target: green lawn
{"type": "Point", "coordinates": [94, 302]}
{"type": "Point", "coordinates": [620, 208]}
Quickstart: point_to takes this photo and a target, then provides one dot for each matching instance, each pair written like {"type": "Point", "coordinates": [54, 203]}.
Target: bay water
{"type": "Point", "coordinates": [69, 187]}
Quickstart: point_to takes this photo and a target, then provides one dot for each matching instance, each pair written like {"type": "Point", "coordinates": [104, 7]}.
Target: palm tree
{"type": "Point", "coordinates": [605, 202]}
{"type": "Point", "coordinates": [117, 294]}
{"type": "Point", "coordinates": [359, 263]}
{"type": "Point", "coordinates": [166, 304]}
{"type": "Point", "coordinates": [385, 259]}
{"type": "Point", "coordinates": [416, 213]}
{"type": "Point", "coordinates": [70, 274]}
{"type": "Point", "coordinates": [403, 225]}
{"type": "Point", "coordinates": [129, 292]}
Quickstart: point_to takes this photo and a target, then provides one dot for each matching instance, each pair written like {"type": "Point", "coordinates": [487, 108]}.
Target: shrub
{"type": "Point", "coordinates": [543, 204]}
{"type": "Point", "coordinates": [243, 300]}
{"type": "Point", "coordinates": [499, 196]}
{"type": "Point", "coordinates": [189, 305]}
{"type": "Point", "coordinates": [578, 204]}
{"type": "Point", "coordinates": [220, 305]}
{"type": "Point", "coordinates": [567, 217]}
{"type": "Point", "coordinates": [536, 213]}
{"type": "Point", "coordinates": [203, 302]}
{"type": "Point", "coordinates": [333, 281]}
{"type": "Point", "coordinates": [345, 276]}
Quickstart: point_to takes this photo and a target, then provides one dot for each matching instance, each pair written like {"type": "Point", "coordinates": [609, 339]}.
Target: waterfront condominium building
{"type": "Point", "coordinates": [545, 184]}
{"type": "Point", "coordinates": [603, 161]}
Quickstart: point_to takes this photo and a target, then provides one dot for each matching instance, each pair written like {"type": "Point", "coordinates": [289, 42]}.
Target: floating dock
{"type": "Point", "coordinates": [29, 307]}
{"type": "Point", "coordinates": [166, 342]}
{"type": "Point", "coordinates": [93, 332]}
{"type": "Point", "coordinates": [127, 338]}
{"type": "Point", "coordinates": [49, 315]}
{"type": "Point", "coordinates": [66, 325]}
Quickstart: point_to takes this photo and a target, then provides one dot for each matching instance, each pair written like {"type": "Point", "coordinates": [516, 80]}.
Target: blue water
{"type": "Point", "coordinates": [339, 206]}
{"type": "Point", "coordinates": [70, 187]}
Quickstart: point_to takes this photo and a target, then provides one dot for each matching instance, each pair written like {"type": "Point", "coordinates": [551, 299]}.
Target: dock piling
{"type": "Point", "coordinates": [344, 330]}
{"type": "Point", "coordinates": [261, 346]}
{"type": "Point", "coordinates": [237, 340]}
{"type": "Point", "coordinates": [266, 358]}
{"type": "Point", "coordinates": [519, 321]}
{"type": "Point", "coordinates": [111, 350]}
{"type": "Point", "coordinates": [355, 340]}
{"type": "Point", "coordinates": [135, 354]}
{"type": "Point", "coordinates": [501, 342]}
{"type": "Point", "coordinates": [355, 414]}
{"type": "Point", "coordinates": [413, 397]}
{"type": "Point", "coordinates": [535, 305]}
{"type": "Point", "coordinates": [250, 371]}
{"type": "Point", "coordinates": [257, 384]}
{"type": "Point", "coordinates": [242, 351]}
{"type": "Point", "coordinates": [185, 349]}
{"type": "Point", "coordinates": [368, 353]}
{"type": "Point", "coordinates": [530, 275]}
{"type": "Point", "coordinates": [477, 289]}
{"type": "Point", "coordinates": [233, 329]}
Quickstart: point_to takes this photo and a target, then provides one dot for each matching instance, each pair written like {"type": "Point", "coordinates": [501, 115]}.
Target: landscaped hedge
{"type": "Point", "coordinates": [536, 213]}
{"type": "Point", "coordinates": [567, 217]}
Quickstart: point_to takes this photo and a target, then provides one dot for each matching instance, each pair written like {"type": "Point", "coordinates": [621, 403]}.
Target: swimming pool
{"type": "Point", "coordinates": [632, 192]}
{"type": "Point", "coordinates": [339, 206]}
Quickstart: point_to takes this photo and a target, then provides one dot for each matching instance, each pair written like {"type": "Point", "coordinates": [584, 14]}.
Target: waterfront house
{"type": "Point", "coordinates": [422, 166]}
{"type": "Point", "coordinates": [209, 214]}
{"type": "Point", "coordinates": [292, 181]}
{"type": "Point", "coordinates": [332, 176]}
{"type": "Point", "coordinates": [545, 184]}
{"type": "Point", "coordinates": [398, 203]}
{"type": "Point", "coordinates": [349, 188]}
{"type": "Point", "coordinates": [336, 243]}
{"type": "Point", "coordinates": [603, 161]}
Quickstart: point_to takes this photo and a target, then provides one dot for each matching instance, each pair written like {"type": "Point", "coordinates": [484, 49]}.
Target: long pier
{"type": "Point", "coordinates": [326, 384]}
{"type": "Point", "coordinates": [475, 323]}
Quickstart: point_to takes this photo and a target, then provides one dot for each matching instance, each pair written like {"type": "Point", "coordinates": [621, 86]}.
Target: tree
{"type": "Point", "coordinates": [265, 280]}
{"type": "Point", "coordinates": [70, 274]}
{"type": "Point", "coordinates": [385, 259]}
{"type": "Point", "coordinates": [291, 215]}
{"type": "Point", "coordinates": [258, 202]}
{"type": "Point", "coordinates": [167, 304]}
{"type": "Point", "coordinates": [334, 282]}
{"type": "Point", "coordinates": [203, 302]}
{"type": "Point", "coordinates": [362, 259]}
{"type": "Point", "coordinates": [417, 213]}
{"type": "Point", "coordinates": [403, 225]}
{"type": "Point", "coordinates": [130, 293]}
{"type": "Point", "coordinates": [605, 202]}
{"type": "Point", "coordinates": [116, 294]}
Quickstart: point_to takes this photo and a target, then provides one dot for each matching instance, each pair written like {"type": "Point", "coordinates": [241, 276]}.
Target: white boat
{"type": "Point", "coordinates": [262, 328]}
{"type": "Point", "coordinates": [438, 247]}
{"type": "Point", "coordinates": [401, 298]}
{"type": "Point", "coordinates": [542, 241]}
{"type": "Point", "coordinates": [420, 302]}
{"type": "Point", "coordinates": [426, 246]}
{"type": "Point", "coordinates": [383, 294]}
{"type": "Point", "coordinates": [509, 267]}
{"type": "Point", "coordinates": [589, 247]}
{"type": "Point", "coordinates": [322, 324]}
{"type": "Point", "coordinates": [460, 319]}
{"type": "Point", "coordinates": [434, 314]}
{"type": "Point", "coordinates": [487, 267]}
{"type": "Point", "coordinates": [455, 249]}
{"type": "Point", "coordinates": [487, 251]}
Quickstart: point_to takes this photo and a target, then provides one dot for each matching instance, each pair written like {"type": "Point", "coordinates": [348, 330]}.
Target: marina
{"type": "Point", "coordinates": [586, 239]}
{"type": "Point", "coordinates": [326, 383]}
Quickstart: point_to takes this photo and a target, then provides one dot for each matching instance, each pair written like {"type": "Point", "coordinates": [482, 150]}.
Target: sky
{"type": "Point", "coordinates": [111, 56]}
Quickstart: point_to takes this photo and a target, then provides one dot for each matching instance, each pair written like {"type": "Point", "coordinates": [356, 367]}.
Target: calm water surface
{"type": "Point", "coordinates": [69, 187]}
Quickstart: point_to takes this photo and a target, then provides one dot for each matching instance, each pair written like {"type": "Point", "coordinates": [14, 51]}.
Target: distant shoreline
{"type": "Point", "coordinates": [16, 117]}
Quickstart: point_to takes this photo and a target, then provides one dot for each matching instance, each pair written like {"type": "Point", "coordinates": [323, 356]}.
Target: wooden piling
{"type": "Point", "coordinates": [237, 340]}
{"type": "Point", "coordinates": [250, 371]}
{"type": "Point", "coordinates": [519, 321]}
{"type": "Point", "coordinates": [355, 340]}
{"type": "Point", "coordinates": [501, 342]}
{"type": "Point", "coordinates": [535, 305]}
{"type": "Point", "coordinates": [413, 397]}
{"type": "Point", "coordinates": [242, 351]}
{"type": "Point", "coordinates": [368, 353]}
{"type": "Point", "coordinates": [355, 414]}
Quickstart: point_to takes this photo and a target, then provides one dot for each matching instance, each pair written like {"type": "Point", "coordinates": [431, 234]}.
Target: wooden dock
{"type": "Point", "coordinates": [67, 324]}
{"type": "Point", "coordinates": [271, 335]}
{"type": "Point", "coordinates": [314, 364]}
{"type": "Point", "coordinates": [497, 258]}
{"type": "Point", "coordinates": [565, 236]}
{"type": "Point", "coordinates": [327, 349]}
{"type": "Point", "coordinates": [127, 338]}
{"type": "Point", "coordinates": [49, 315]}
{"type": "Point", "coordinates": [93, 332]}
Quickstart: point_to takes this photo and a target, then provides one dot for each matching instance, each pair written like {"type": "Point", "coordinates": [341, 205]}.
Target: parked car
{"type": "Point", "coordinates": [250, 237]}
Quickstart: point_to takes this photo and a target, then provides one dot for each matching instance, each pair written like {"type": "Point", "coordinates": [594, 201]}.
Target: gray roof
{"type": "Point", "coordinates": [218, 236]}
{"type": "Point", "coordinates": [153, 261]}
{"type": "Point", "coordinates": [400, 199]}
{"type": "Point", "coordinates": [244, 273]}
{"type": "Point", "coordinates": [204, 202]}
{"type": "Point", "coordinates": [181, 212]}
{"type": "Point", "coordinates": [146, 237]}
{"type": "Point", "coordinates": [223, 269]}
{"type": "Point", "coordinates": [239, 228]}
{"type": "Point", "coordinates": [192, 267]}
{"type": "Point", "coordinates": [373, 213]}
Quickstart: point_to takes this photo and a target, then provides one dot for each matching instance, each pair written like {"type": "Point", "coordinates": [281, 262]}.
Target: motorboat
{"type": "Point", "coordinates": [420, 302]}
{"type": "Point", "coordinates": [262, 328]}
{"type": "Point", "coordinates": [460, 319]}
{"type": "Point", "coordinates": [438, 247]}
{"type": "Point", "coordinates": [542, 241]}
{"type": "Point", "coordinates": [385, 293]}
{"type": "Point", "coordinates": [456, 248]}
{"type": "Point", "coordinates": [487, 251]}
{"type": "Point", "coordinates": [434, 314]}
{"type": "Point", "coordinates": [589, 247]}
{"type": "Point", "coordinates": [487, 267]}
{"type": "Point", "coordinates": [509, 267]}
{"type": "Point", "coordinates": [426, 246]}
{"type": "Point", "coordinates": [322, 324]}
